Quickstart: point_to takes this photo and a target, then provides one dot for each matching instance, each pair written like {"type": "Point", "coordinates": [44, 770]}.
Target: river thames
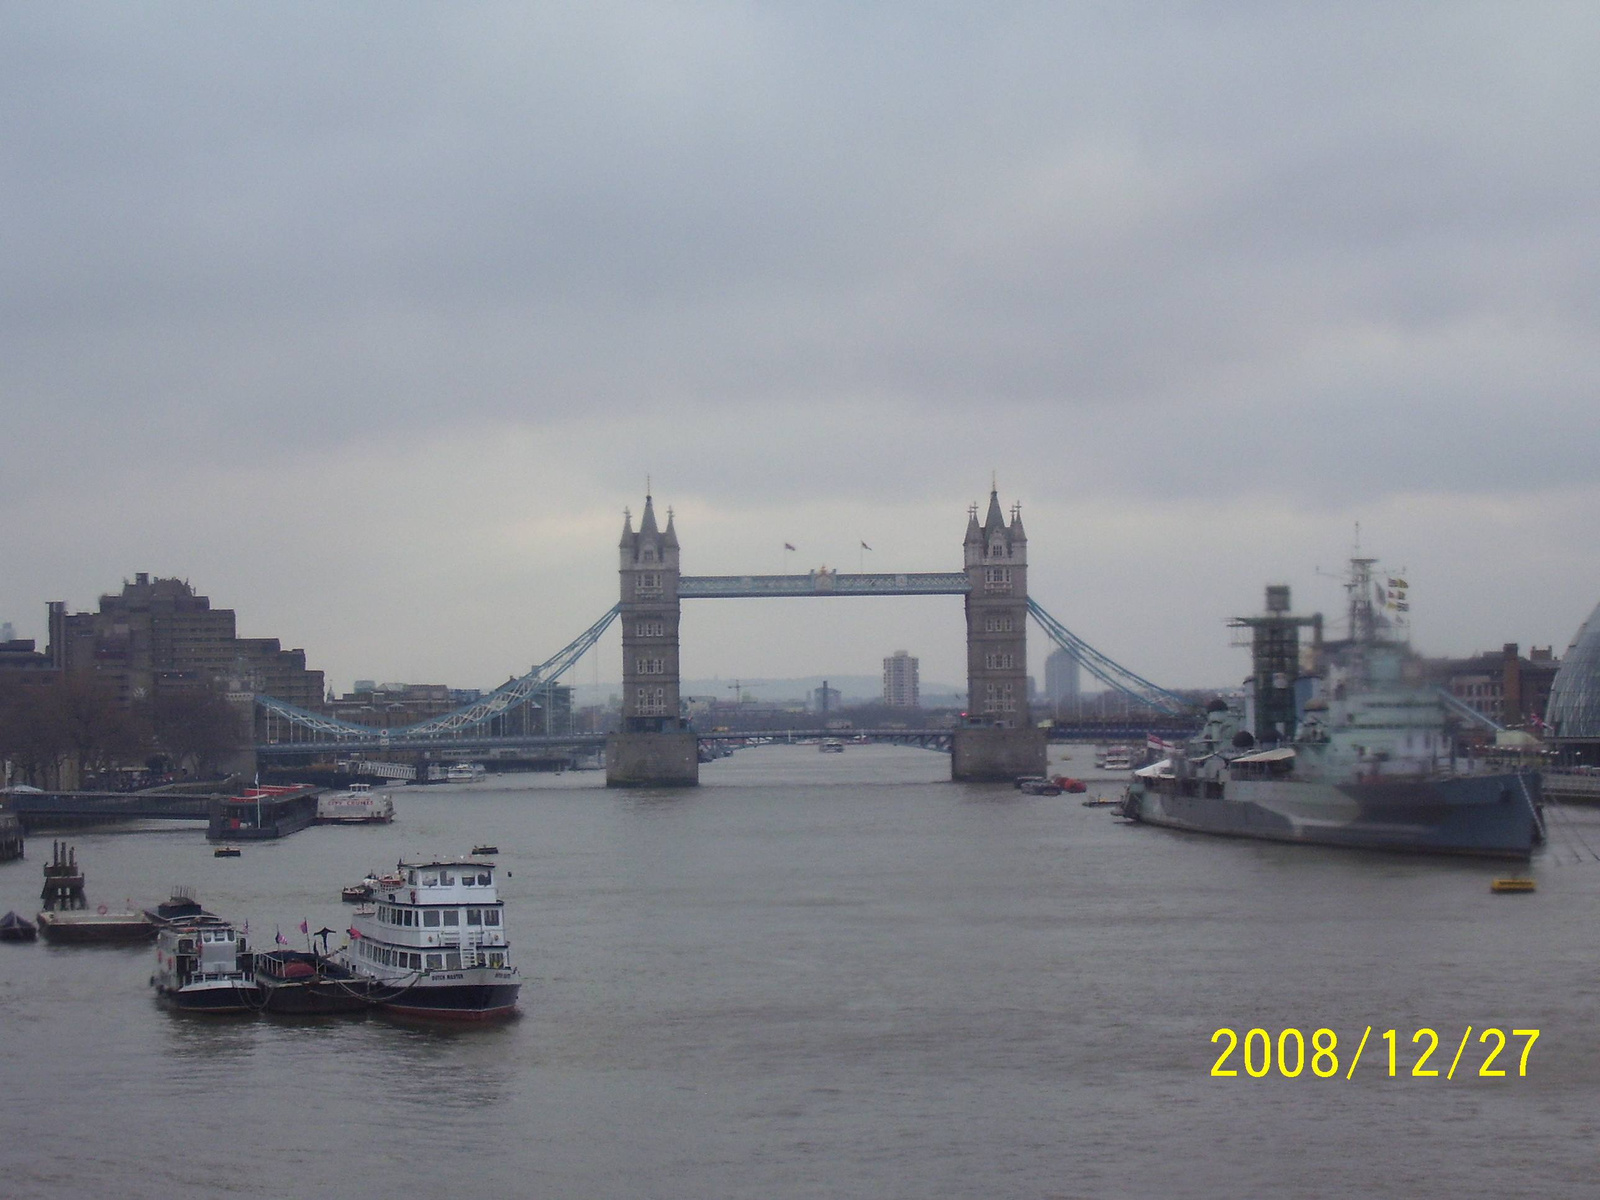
{"type": "Point", "coordinates": [830, 976]}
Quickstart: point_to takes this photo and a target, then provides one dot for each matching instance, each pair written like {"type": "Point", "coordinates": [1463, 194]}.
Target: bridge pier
{"type": "Point", "coordinates": [653, 759]}
{"type": "Point", "coordinates": [996, 755]}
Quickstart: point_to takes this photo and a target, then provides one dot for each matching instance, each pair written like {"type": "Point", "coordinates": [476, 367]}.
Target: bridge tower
{"type": "Point", "coordinates": [998, 740]}
{"type": "Point", "coordinates": [653, 748]}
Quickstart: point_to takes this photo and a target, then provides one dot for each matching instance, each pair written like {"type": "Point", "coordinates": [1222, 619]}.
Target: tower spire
{"type": "Point", "coordinates": [994, 519]}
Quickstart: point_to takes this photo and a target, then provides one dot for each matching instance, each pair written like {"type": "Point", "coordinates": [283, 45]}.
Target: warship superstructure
{"type": "Point", "coordinates": [1358, 752]}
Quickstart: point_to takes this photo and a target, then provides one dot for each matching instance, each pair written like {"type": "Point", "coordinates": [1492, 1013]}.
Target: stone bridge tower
{"type": "Point", "coordinates": [654, 748]}
{"type": "Point", "coordinates": [998, 740]}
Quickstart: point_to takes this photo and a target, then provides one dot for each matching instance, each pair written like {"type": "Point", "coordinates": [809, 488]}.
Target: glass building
{"type": "Point", "coordinates": [1574, 710]}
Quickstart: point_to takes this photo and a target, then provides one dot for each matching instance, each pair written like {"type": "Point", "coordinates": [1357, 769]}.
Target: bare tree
{"type": "Point", "coordinates": [31, 734]}
{"type": "Point", "coordinates": [99, 734]}
{"type": "Point", "coordinates": [196, 727]}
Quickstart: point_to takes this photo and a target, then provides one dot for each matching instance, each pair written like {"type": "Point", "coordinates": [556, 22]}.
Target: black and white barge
{"type": "Point", "coordinates": [433, 942]}
{"type": "Point", "coordinates": [203, 965]}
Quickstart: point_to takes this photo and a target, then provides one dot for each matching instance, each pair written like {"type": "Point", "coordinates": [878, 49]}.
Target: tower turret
{"type": "Point", "coordinates": [996, 556]}
{"type": "Point", "coordinates": [628, 536]}
{"type": "Point", "coordinates": [650, 610]}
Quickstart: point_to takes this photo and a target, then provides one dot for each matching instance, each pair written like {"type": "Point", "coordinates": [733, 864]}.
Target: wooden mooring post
{"type": "Point", "coordinates": [63, 881]}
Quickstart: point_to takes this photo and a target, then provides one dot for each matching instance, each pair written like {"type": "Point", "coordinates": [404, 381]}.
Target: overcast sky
{"type": "Point", "coordinates": [370, 319]}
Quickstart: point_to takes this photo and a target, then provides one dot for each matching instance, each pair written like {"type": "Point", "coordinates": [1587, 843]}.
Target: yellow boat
{"type": "Point", "coordinates": [1512, 884]}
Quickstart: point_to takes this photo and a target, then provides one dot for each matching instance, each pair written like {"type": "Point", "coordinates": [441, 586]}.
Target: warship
{"type": "Point", "coordinates": [1358, 752]}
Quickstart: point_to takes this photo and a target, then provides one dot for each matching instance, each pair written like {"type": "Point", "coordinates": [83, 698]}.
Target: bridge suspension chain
{"type": "Point", "coordinates": [1108, 671]}
{"type": "Point", "coordinates": [480, 712]}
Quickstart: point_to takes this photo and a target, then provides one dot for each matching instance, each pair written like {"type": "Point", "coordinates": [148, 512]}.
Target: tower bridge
{"type": "Point", "coordinates": [655, 745]}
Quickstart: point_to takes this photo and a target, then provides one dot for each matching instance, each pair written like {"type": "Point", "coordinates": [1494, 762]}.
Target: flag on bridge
{"type": "Point", "coordinates": [305, 927]}
{"type": "Point", "coordinates": [277, 936]}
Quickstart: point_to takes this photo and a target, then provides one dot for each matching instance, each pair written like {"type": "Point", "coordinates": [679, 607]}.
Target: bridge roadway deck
{"type": "Point", "coordinates": [590, 741]}
{"type": "Point", "coordinates": [383, 745]}
{"type": "Point", "coordinates": [825, 583]}
{"type": "Point", "coordinates": [33, 808]}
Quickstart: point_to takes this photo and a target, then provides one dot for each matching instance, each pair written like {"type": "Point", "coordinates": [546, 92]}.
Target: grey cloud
{"type": "Point", "coordinates": [803, 231]}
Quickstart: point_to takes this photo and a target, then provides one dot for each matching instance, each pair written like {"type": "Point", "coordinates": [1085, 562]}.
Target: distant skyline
{"type": "Point", "coordinates": [370, 320]}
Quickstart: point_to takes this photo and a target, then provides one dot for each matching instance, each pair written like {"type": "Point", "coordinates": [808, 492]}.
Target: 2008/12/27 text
{"type": "Point", "coordinates": [1291, 1054]}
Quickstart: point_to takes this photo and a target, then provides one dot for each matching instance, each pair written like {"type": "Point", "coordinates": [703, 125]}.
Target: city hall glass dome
{"type": "Point", "coordinates": [1574, 708]}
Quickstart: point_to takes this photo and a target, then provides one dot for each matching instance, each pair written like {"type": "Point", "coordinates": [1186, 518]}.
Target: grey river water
{"type": "Point", "coordinates": [827, 976]}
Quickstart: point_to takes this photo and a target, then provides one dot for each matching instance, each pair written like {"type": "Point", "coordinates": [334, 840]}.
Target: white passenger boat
{"type": "Point", "coordinates": [356, 805]}
{"type": "Point", "coordinates": [465, 773]}
{"type": "Point", "coordinates": [433, 941]}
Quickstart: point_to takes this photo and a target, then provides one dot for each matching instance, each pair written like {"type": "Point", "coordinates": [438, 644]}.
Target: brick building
{"type": "Point", "coordinates": [1502, 685]}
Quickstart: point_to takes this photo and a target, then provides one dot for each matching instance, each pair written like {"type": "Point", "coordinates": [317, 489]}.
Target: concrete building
{"type": "Point", "coordinates": [900, 681]}
{"type": "Point", "coordinates": [158, 634]}
{"type": "Point", "coordinates": [1061, 680]}
{"type": "Point", "coordinates": [396, 705]}
{"type": "Point", "coordinates": [826, 699]}
{"type": "Point", "coordinates": [21, 664]}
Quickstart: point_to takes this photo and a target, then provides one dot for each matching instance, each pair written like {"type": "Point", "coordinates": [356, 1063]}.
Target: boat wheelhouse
{"type": "Point", "coordinates": [433, 942]}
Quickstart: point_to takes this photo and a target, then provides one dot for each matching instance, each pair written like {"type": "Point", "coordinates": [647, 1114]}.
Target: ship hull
{"type": "Point", "coordinates": [236, 998]}
{"type": "Point", "coordinates": [1492, 816]}
{"type": "Point", "coordinates": [457, 1001]}
{"type": "Point", "coordinates": [304, 984]}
